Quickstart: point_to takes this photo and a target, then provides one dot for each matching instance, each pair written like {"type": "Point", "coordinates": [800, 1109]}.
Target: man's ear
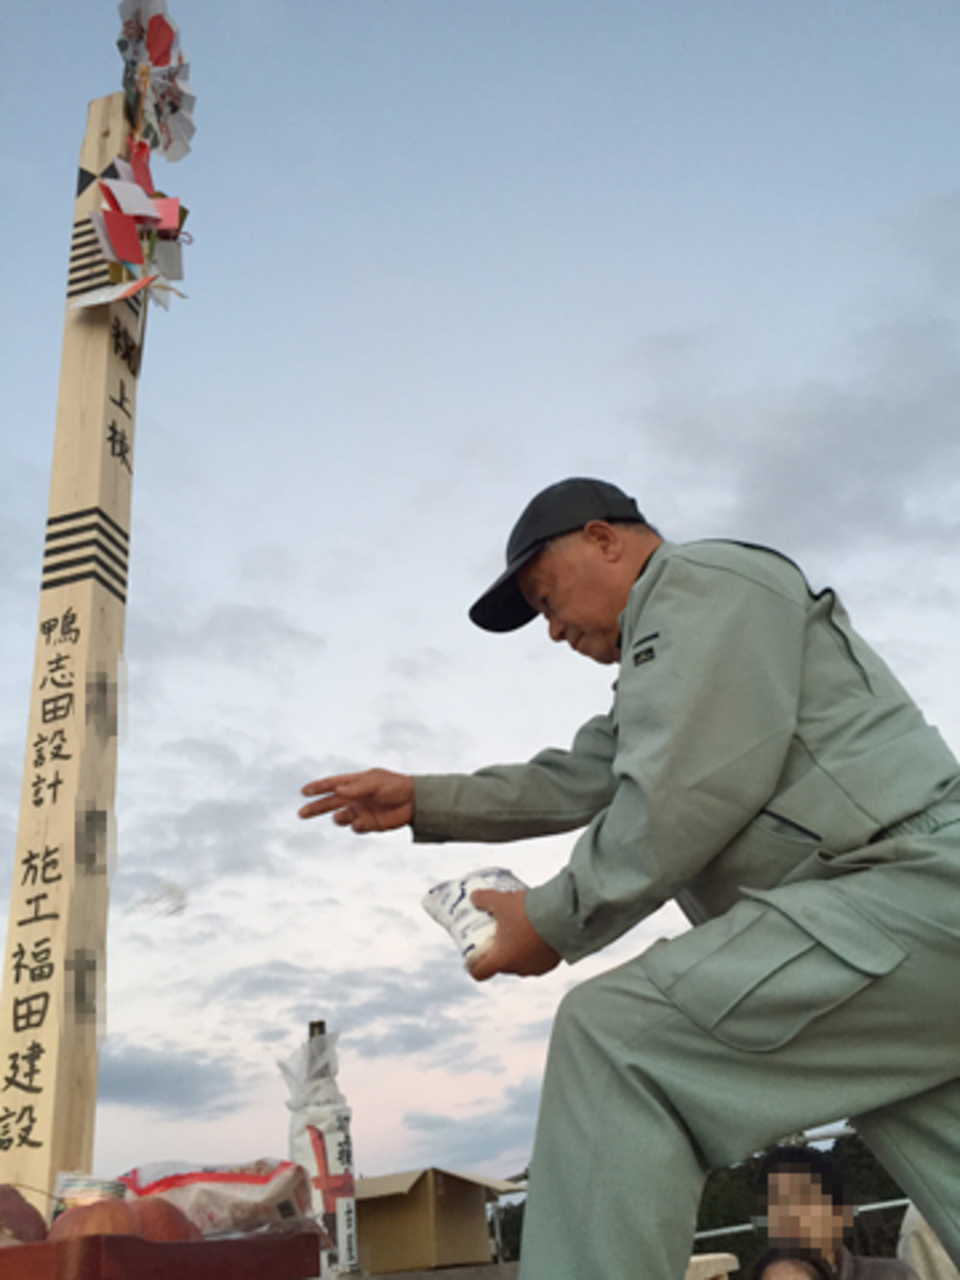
{"type": "Point", "coordinates": [605, 537]}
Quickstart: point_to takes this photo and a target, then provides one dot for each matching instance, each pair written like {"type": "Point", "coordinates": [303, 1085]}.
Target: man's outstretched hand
{"type": "Point", "coordinates": [378, 800]}
{"type": "Point", "coordinates": [375, 800]}
{"type": "Point", "coordinates": [516, 947]}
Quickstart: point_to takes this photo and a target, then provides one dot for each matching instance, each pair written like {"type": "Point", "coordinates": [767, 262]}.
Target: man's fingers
{"type": "Point", "coordinates": [488, 962]}
{"type": "Point", "coordinates": [334, 793]}
{"type": "Point", "coordinates": [516, 946]}
{"type": "Point", "coordinates": [483, 968]}
{"type": "Point", "coordinates": [375, 800]}
{"type": "Point", "coordinates": [324, 785]}
{"type": "Point", "coordinates": [326, 805]}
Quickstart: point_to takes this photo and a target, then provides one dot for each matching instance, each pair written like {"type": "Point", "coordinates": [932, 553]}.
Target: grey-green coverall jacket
{"type": "Point", "coordinates": [761, 765]}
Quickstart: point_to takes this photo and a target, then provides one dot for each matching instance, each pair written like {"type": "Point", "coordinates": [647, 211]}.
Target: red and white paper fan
{"type": "Point", "coordinates": [156, 77]}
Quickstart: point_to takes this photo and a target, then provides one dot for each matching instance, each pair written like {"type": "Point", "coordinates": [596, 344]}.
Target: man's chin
{"type": "Point", "coordinates": [604, 656]}
{"type": "Point", "coordinates": [596, 650]}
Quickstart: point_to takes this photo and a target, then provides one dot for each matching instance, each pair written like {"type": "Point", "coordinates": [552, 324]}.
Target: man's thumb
{"type": "Point", "coordinates": [485, 900]}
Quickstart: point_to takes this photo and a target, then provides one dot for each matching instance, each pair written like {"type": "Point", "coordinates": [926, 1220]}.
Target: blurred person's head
{"type": "Point", "coordinates": [780, 1263]}
{"type": "Point", "coordinates": [806, 1207]}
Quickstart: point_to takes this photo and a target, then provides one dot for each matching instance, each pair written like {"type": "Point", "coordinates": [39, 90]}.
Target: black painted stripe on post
{"type": "Point", "coordinates": [103, 557]}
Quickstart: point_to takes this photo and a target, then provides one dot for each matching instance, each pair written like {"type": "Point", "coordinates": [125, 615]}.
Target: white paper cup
{"type": "Point", "coordinates": [449, 904]}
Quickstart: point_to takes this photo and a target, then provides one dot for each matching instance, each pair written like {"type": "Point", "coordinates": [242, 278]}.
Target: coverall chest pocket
{"type": "Point", "coordinates": [756, 977]}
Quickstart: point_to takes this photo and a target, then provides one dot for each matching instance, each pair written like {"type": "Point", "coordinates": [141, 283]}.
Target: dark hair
{"type": "Point", "coordinates": [817, 1263]}
{"type": "Point", "coordinates": [803, 1160]}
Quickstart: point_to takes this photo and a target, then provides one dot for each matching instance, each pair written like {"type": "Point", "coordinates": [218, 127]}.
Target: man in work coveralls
{"type": "Point", "coordinates": [762, 766]}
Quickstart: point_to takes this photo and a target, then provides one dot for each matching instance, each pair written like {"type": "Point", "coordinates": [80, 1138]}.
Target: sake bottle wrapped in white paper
{"type": "Point", "coordinates": [471, 929]}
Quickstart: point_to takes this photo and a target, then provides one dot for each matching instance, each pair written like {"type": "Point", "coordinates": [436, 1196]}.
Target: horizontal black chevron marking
{"type": "Point", "coordinates": [51, 555]}
{"type": "Point", "coordinates": [85, 270]}
{"type": "Point", "coordinates": [91, 575]}
{"type": "Point", "coordinates": [88, 268]}
{"type": "Point", "coordinates": [86, 545]}
{"type": "Point", "coordinates": [90, 511]}
{"type": "Point", "coordinates": [83, 233]}
{"type": "Point", "coordinates": [54, 570]}
{"type": "Point", "coordinates": [80, 260]}
{"type": "Point", "coordinates": [88, 283]}
{"type": "Point", "coordinates": [63, 540]}
{"type": "Point", "coordinates": [96, 278]}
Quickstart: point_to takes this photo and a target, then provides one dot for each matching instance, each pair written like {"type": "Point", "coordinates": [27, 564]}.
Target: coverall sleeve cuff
{"type": "Point", "coordinates": [549, 912]}
{"type": "Point", "coordinates": [431, 808]}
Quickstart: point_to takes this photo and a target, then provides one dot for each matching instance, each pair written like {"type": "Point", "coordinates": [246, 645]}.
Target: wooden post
{"type": "Point", "coordinates": [51, 1009]}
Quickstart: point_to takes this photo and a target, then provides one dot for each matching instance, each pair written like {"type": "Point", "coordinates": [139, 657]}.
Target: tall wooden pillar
{"type": "Point", "coordinates": [51, 1010]}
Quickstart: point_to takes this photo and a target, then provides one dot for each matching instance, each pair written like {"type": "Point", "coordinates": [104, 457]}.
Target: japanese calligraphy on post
{"type": "Point", "coordinates": [125, 249]}
{"type": "Point", "coordinates": [53, 964]}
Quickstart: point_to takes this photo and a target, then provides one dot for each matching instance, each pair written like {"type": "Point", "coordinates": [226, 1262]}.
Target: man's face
{"type": "Point", "coordinates": [800, 1212]}
{"type": "Point", "coordinates": [789, 1269]}
{"type": "Point", "coordinates": [580, 592]}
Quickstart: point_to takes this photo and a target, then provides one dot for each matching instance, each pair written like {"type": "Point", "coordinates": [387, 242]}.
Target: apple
{"type": "Point", "coordinates": [98, 1218]}
{"type": "Point", "coordinates": [158, 1219]}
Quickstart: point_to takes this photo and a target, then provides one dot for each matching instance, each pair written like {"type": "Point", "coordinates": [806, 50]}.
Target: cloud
{"type": "Point", "coordinates": [385, 1012]}
{"type": "Point", "coordinates": [534, 1032]}
{"type": "Point", "coordinates": [404, 738]}
{"type": "Point", "coordinates": [240, 635]}
{"type": "Point", "coordinates": [427, 664]}
{"type": "Point", "coordinates": [860, 446]}
{"type": "Point", "coordinates": [491, 1136]}
{"type": "Point", "coordinates": [928, 237]}
{"type": "Point", "coordinates": [165, 899]}
{"type": "Point", "coordinates": [411, 743]}
{"type": "Point", "coordinates": [829, 461]}
{"type": "Point", "coordinates": [268, 565]}
{"type": "Point", "coordinates": [21, 525]}
{"type": "Point", "coordinates": [200, 842]}
{"type": "Point", "coordinates": [176, 1082]}
{"type": "Point", "coordinates": [203, 811]}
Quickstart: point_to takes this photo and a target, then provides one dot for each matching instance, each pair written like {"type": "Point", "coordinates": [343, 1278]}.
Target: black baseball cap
{"type": "Point", "coordinates": [562, 508]}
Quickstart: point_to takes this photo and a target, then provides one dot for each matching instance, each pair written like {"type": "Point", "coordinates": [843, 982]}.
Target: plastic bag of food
{"type": "Point", "coordinates": [227, 1198]}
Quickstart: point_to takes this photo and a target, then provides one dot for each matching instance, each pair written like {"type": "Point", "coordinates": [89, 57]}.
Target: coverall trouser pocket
{"type": "Point", "coordinates": [760, 974]}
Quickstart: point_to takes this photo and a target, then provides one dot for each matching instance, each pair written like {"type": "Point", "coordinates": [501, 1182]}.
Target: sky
{"type": "Point", "coordinates": [445, 253]}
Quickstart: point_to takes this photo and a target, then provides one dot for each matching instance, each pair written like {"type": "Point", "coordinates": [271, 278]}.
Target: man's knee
{"type": "Point", "coordinates": [617, 1007]}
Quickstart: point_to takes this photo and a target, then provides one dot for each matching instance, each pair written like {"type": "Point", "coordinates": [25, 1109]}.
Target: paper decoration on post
{"type": "Point", "coordinates": [139, 164]}
{"type": "Point", "coordinates": [129, 198]}
{"type": "Point", "coordinates": [156, 78]}
{"type": "Point", "coordinates": [139, 230]}
{"type": "Point", "coordinates": [113, 293]}
{"type": "Point", "coordinates": [118, 236]}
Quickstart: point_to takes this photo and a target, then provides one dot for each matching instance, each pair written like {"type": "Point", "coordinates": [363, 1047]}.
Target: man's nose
{"type": "Point", "coordinates": [556, 629]}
